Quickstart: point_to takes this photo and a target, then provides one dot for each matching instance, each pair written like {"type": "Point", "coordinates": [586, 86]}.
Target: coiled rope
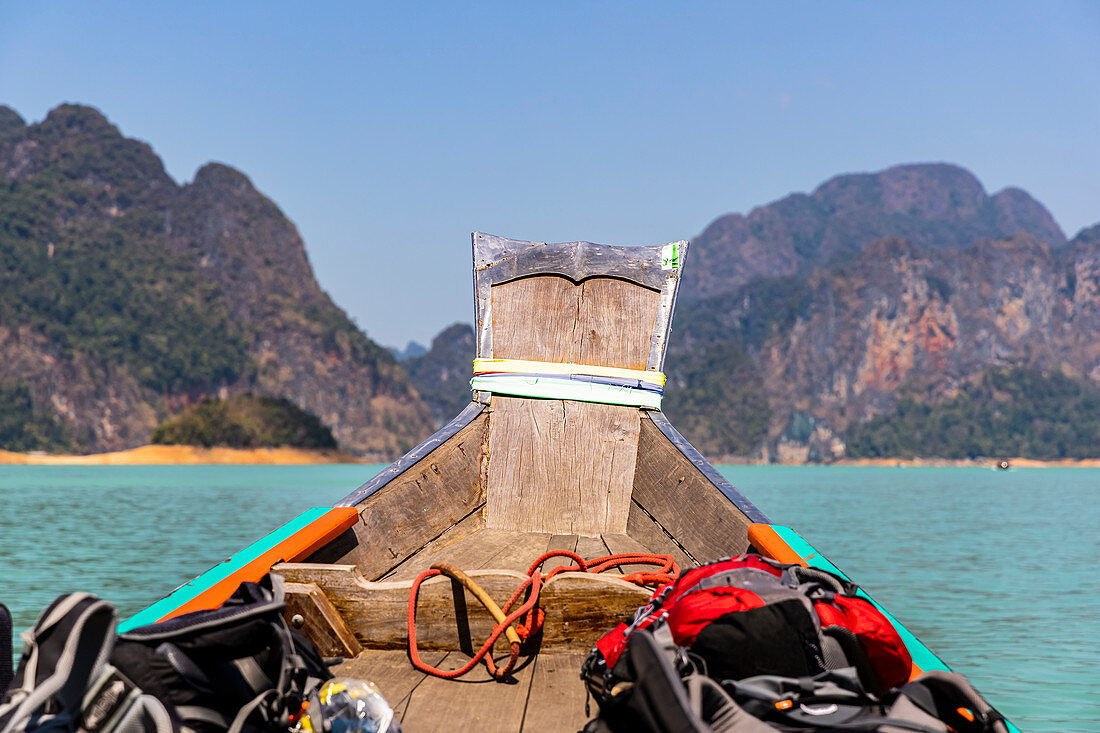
{"type": "Point", "coordinates": [506, 618]}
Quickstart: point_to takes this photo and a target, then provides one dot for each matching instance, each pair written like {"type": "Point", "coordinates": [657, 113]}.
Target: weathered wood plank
{"type": "Point", "coordinates": [641, 527]}
{"type": "Point", "coordinates": [681, 499]}
{"type": "Point", "coordinates": [560, 466]}
{"type": "Point", "coordinates": [619, 544]}
{"type": "Point", "coordinates": [518, 553]}
{"type": "Point", "coordinates": [557, 698]}
{"type": "Point", "coordinates": [423, 502]}
{"type": "Point", "coordinates": [591, 547]}
{"type": "Point", "coordinates": [472, 703]}
{"type": "Point", "coordinates": [423, 558]}
{"type": "Point", "coordinates": [391, 671]}
{"type": "Point", "coordinates": [567, 542]}
{"type": "Point", "coordinates": [582, 607]}
{"type": "Point", "coordinates": [533, 318]}
{"type": "Point", "coordinates": [321, 622]}
{"type": "Point", "coordinates": [615, 323]}
{"type": "Point", "coordinates": [579, 607]}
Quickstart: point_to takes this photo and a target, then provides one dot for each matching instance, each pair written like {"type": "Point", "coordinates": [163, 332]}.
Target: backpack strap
{"type": "Point", "coordinates": [6, 672]}
{"type": "Point", "coordinates": [64, 651]}
{"type": "Point", "coordinates": [941, 694]}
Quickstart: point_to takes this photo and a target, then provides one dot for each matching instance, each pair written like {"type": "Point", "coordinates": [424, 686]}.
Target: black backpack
{"type": "Point", "coordinates": [654, 688]}
{"type": "Point", "coordinates": [231, 669]}
{"type": "Point", "coordinates": [6, 673]}
{"type": "Point", "coordinates": [64, 654]}
{"type": "Point", "coordinates": [234, 668]}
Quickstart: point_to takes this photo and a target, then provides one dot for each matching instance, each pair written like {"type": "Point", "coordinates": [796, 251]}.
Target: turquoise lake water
{"type": "Point", "coordinates": [996, 571]}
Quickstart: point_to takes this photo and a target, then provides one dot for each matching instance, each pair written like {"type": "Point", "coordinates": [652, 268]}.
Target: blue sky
{"type": "Point", "coordinates": [389, 132]}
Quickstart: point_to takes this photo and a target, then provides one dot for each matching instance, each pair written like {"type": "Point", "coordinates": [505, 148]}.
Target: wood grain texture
{"type": "Point", "coordinates": [602, 321]}
{"type": "Point", "coordinates": [641, 527]}
{"type": "Point", "coordinates": [579, 607]}
{"type": "Point", "coordinates": [535, 318]}
{"type": "Point", "coordinates": [473, 703]}
{"type": "Point", "coordinates": [560, 466]}
{"type": "Point", "coordinates": [615, 323]}
{"type": "Point", "coordinates": [591, 547]}
{"type": "Point", "coordinates": [683, 502]}
{"type": "Point", "coordinates": [423, 558]}
{"type": "Point", "coordinates": [391, 671]}
{"type": "Point", "coordinates": [556, 701]}
{"type": "Point", "coordinates": [422, 503]}
{"type": "Point", "coordinates": [321, 622]}
{"type": "Point", "coordinates": [619, 544]}
{"type": "Point", "coordinates": [567, 542]}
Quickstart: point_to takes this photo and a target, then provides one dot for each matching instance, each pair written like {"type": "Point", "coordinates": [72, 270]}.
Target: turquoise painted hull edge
{"type": "Point", "coordinates": [221, 571]}
{"type": "Point", "coordinates": [923, 657]}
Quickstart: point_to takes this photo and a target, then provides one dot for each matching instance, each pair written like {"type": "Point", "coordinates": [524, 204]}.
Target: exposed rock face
{"type": "Point", "coordinates": [931, 319]}
{"type": "Point", "coordinates": [306, 349]}
{"type": "Point", "coordinates": [237, 307]}
{"type": "Point", "coordinates": [931, 205]}
{"type": "Point", "coordinates": [442, 375]}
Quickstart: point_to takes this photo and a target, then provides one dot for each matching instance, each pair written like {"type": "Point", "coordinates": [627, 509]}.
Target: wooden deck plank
{"type": "Point", "coordinates": [567, 542]}
{"type": "Point", "coordinates": [518, 554]}
{"type": "Point", "coordinates": [557, 698]}
{"type": "Point", "coordinates": [619, 544]}
{"type": "Point", "coordinates": [472, 703]}
{"type": "Point", "coordinates": [467, 553]}
{"type": "Point", "coordinates": [591, 547]}
{"type": "Point", "coordinates": [391, 671]}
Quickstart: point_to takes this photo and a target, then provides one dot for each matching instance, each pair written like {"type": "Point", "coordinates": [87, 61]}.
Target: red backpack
{"type": "Point", "coordinates": [747, 616]}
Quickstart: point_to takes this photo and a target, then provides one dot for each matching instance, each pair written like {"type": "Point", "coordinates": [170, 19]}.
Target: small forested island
{"type": "Point", "coordinates": [245, 421]}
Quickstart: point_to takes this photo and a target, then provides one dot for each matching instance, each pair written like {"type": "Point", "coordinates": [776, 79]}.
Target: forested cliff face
{"type": "Point", "coordinates": [930, 205]}
{"type": "Point", "coordinates": [911, 283]}
{"type": "Point", "coordinates": [903, 311]}
{"type": "Point", "coordinates": [124, 297]}
{"type": "Point", "coordinates": [798, 324]}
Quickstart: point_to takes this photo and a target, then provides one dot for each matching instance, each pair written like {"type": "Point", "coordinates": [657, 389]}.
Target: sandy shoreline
{"type": "Point", "coordinates": [153, 455]}
{"type": "Point", "coordinates": [986, 463]}
{"type": "Point", "coordinates": [183, 454]}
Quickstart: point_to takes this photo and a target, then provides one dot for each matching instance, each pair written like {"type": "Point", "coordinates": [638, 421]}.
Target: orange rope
{"type": "Point", "coordinates": [532, 586]}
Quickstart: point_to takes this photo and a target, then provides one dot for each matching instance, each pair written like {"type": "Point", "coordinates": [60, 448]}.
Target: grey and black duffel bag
{"type": "Point", "coordinates": [654, 688]}
{"type": "Point", "coordinates": [234, 669]}
{"type": "Point", "coordinates": [65, 683]}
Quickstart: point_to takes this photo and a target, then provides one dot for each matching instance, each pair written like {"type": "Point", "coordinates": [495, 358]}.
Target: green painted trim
{"type": "Point", "coordinates": [552, 388]}
{"type": "Point", "coordinates": [923, 657]}
{"type": "Point", "coordinates": [221, 571]}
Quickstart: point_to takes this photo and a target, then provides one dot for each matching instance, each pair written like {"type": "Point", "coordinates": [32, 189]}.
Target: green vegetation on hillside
{"type": "Point", "coordinates": [22, 428]}
{"type": "Point", "coordinates": [1009, 412]}
{"type": "Point", "coordinates": [759, 310]}
{"type": "Point", "coordinates": [716, 399]}
{"type": "Point", "coordinates": [110, 289]}
{"type": "Point", "coordinates": [245, 421]}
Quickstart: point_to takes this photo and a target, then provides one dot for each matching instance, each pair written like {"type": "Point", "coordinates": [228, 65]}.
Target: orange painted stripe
{"type": "Point", "coordinates": [297, 547]}
{"type": "Point", "coordinates": [771, 545]}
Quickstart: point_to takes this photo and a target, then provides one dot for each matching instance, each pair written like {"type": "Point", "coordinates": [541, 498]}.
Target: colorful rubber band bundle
{"type": "Point", "coordinates": [560, 381]}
